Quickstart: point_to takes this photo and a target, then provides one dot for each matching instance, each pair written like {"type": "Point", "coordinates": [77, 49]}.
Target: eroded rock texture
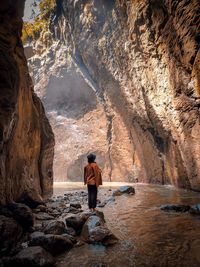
{"type": "Point", "coordinates": [26, 138]}
{"type": "Point", "coordinates": [143, 59]}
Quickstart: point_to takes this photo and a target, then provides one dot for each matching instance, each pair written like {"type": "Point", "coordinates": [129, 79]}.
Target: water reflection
{"type": "Point", "coordinates": [148, 236]}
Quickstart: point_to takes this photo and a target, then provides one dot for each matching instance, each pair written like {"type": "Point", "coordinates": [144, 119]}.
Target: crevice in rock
{"type": "Point", "coordinates": [78, 61]}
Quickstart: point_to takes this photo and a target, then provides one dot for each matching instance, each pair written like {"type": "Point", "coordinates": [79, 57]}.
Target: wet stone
{"type": "Point", "coordinates": [54, 213]}
{"type": "Point", "coordinates": [33, 257]}
{"type": "Point", "coordinates": [126, 189]}
{"type": "Point", "coordinates": [195, 209]}
{"type": "Point", "coordinates": [29, 201]}
{"type": "Point", "coordinates": [74, 210]}
{"type": "Point", "coordinates": [116, 193]}
{"type": "Point", "coordinates": [96, 231]}
{"type": "Point", "coordinates": [86, 214]}
{"type": "Point", "coordinates": [55, 228]}
{"type": "Point", "coordinates": [106, 201]}
{"type": "Point", "coordinates": [38, 226]}
{"type": "Point", "coordinates": [76, 222]}
{"type": "Point", "coordinates": [43, 216]}
{"type": "Point", "coordinates": [175, 208]}
{"type": "Point", "coordinates": [70, 237]}
{"type": "Point", "coordinates": [55, 244]}
{"type": "Point", "coordinates": [70, 231]}
{"type": "Point", "coordinates": [75, 205]}
{"type": "Point", "coordinates": [22, 214]}
{"type": "Point", "coordinates": [42, 208]}
{"type": "Point", "coordinates": [55, 205]}
{"type": "Point", "coordinates": [36, 234]}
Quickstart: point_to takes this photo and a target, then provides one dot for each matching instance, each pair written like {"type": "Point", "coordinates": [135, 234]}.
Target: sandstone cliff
{"type": "Point", "coordinates": [80, 117]}
{"type": "Point", "coordinates": [27, 141]}
{"type": "Point", "coordinates": [121, 78]}
{"type": "Point", "coordinates": [143, 58]}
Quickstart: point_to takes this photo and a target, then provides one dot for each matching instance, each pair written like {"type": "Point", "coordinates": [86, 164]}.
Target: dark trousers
{"type": "Point", "coordinates": [92, 196]}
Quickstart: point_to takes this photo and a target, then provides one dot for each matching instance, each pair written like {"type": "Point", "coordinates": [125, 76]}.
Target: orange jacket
{"type": "Point", "coordinates": [92, 174]}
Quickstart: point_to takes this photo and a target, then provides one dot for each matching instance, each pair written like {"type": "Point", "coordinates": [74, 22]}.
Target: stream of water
{"type": "Point", "coordinates": [147, 236]}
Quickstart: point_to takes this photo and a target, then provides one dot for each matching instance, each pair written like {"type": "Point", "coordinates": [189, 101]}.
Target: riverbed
{"type": "Point", "coordinates": [147, 236]}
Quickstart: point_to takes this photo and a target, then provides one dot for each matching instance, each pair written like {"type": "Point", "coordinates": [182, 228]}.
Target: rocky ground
{"type": "Point", "coordinates": [35, 236]}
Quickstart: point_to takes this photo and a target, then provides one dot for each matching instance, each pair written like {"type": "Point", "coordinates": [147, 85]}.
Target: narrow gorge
{"type": "Point", "coordinates": [122, 80]}
{"type": "Point", "coordinates": [117, 78]}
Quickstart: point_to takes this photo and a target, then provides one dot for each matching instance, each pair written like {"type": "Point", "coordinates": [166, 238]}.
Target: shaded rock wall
{"type": "Point", "coordinates": [79, 115]}
{"type": "Point", "coordinates": [26, 138]}
{"type": "Point", "coordinates": [143, 57]}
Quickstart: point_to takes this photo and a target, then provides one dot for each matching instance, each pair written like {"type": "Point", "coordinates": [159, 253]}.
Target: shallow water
{"type": "Point", "coordinates": [147, 235]}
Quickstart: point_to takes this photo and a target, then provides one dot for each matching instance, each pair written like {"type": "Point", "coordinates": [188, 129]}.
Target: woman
{"type": "Point", "coordinates": [92, 178]}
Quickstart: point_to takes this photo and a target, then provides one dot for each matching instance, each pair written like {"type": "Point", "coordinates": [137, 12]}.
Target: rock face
{"type": "Point", "coordinates": [142, 59]}
{"type": "Point", "coordinates": [26, 138]}
{"type": "Point", "coordinates": [79, 115]}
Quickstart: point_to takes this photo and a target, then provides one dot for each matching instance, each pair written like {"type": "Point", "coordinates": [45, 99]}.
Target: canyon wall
{"type": "Point", "coordinates": [143, 59]}
{"type": "Point", "coordinates": [80, 117]}
{"type": "Point", "coordinates": [26, 137]}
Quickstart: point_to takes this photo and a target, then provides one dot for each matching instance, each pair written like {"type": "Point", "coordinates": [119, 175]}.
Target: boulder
{"type": "Point", "coordinates": [10, 233]}
{"type": "Point", "coordinates": [5, 211]}
{"type": "Point", "coordinates": [175, 207]}
{"type": "Point", "coordinates": [42, 208]}
{"type": "Point", "coordinates": [106, 201]}
{"type": "Point", "coordinates": [76, 222]}
{"type": "Point", "coordinates": [116, 193]}
{"type": "Point", "coordinates": [70, 231]}
{"type": "Point", "coordinates": [22, 214]}
{"type": "Point", "coordinates": [36, 234]}
{"type": "Point", "coordinates": [86, 214]}
{"type": "Point", "coordinates": [74, 210]}
{"type": "Point", "coordinates": [56, 205]}
{"type": "Point", "coordinates": [75, 205]}
{"type": "Point", "coordinates": [30, 201]}
{"type": "Point", "coordinates": [102, 204]}
{"type": "Point", "coordinates": [33, 257]}
{"type": "Point", "coordinates": [96, 231]}
{"type": "Point", "coordinates": [38, 226]}
{"type": "Point", "coordinates": [55, 244]}
{"type": "Point", "coordinates": [195, 209]}
{"type": "Point", "coordinates": [55, 213]}
{"type": "Point", "coordinates": [70, 237]}
{"type": "Point", "coordinates": [43, 216]}
{"type": "Point", "coordinates": [55, 228]}
{"type": "Point", "coordinates": [126, 189]}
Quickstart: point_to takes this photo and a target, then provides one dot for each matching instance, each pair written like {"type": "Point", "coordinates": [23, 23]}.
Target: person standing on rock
{"type": "Point", "coordinates": [92, 178]}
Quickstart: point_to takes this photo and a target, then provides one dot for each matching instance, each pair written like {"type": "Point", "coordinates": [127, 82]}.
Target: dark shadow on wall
{"type": "Point", "coordinates": [174, 169]}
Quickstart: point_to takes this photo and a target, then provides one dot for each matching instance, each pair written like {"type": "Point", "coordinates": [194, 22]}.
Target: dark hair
{"type": "Point", "coordinates": [91, 158]}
